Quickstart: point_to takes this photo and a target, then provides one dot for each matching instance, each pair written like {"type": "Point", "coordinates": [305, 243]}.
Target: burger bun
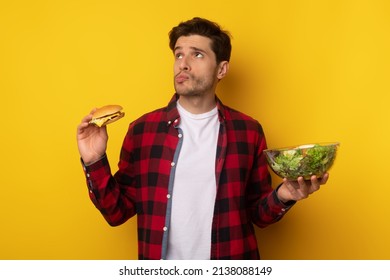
{"type": "Point", "coordinates": [106, 115]}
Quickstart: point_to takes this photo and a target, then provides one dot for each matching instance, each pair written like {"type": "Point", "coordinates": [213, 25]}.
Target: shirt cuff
{"type": "Point", "coordinates": [96, 172]}
{"type": "Point", "coordinates": [92, 163]}
{"type": "Point", "coordinates": [287, 204]}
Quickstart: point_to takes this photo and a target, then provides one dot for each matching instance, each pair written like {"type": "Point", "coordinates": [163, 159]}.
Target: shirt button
{"type": "Point", "coordinates": [169, 122]}
{"type": "Point", "coordinates": [88, 175]}
{"type": "Point", "coordinates": [165, 228]}
{"type": "Point", "coordinates": [180, 135]}
{"type": "Point", "coordinates": [172, 163]}
{"type": "Point", "coordinates": [168, 196]}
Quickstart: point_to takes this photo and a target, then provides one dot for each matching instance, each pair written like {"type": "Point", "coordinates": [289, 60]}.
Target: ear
{"type": "Point", "coordinates": [223, 68]}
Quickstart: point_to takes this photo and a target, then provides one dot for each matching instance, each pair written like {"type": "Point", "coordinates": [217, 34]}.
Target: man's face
{"type": "Point", "coordinates": [195, 67]}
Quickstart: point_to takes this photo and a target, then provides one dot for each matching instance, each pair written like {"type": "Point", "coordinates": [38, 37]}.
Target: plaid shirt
{"type": "Point", "coordinates": [143, 184]}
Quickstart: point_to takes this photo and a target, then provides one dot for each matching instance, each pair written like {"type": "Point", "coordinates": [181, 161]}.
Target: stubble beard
{"type": "Point", "coordinates": [197, 87]}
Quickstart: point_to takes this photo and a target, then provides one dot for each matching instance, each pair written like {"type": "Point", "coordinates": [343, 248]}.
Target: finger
{"type": "Point", "coordinates": [299, 188]}
{"type": "Point", "coordinates": [84, 123]}
{"type": "Point", "coordinates": [305, 187]}
{"type": "Point", "coordinates": [81, 126]}
{"type": "Point", "coordinates": [291, 186]}
{"type": "Point", "coordinates": [302, 183]}
{"type": "Point", "coordinates": [324, 179]}
{"type": "Point", "coordinates": [86, 119]}
{"type": "Point", "coordinates": [315, 184]}
{"type": "Point", "coordinates": [314, 180]}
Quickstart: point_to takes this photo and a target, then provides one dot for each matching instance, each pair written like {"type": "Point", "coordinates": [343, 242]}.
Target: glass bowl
{"type": "Point", "coordinates": [304, 160]}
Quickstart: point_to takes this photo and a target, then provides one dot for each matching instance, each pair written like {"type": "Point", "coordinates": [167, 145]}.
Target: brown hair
{"type": "Point", "coordinates": [220, 45]}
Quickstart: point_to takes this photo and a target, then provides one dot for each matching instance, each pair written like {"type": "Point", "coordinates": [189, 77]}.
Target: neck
{"type": "Point", "coordinates": [198, 104]}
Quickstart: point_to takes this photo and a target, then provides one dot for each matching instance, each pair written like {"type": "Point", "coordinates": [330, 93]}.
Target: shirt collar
{"type": "Point", "coordinates": [173, 116]}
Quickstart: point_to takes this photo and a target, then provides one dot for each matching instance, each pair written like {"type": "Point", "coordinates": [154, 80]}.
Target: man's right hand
{"type": "Point", "coordinates": [91, 140]}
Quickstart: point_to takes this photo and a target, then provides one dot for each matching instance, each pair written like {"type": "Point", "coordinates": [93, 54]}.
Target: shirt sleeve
{"type": "Point", "coordinates": [266, 208]}
{"type": "Point", "coordinates": [114, 200]}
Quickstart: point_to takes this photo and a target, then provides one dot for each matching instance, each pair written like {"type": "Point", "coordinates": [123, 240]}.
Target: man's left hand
{"type": "Point", "coordinates": [300, 189]}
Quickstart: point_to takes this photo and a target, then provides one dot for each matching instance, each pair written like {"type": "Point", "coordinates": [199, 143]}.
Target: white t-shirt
{"type": "Point", "coordinates": [194, 188]}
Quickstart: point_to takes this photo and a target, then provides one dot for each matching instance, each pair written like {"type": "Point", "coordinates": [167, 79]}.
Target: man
{"type": "Point", "coordinates": [194, 172]}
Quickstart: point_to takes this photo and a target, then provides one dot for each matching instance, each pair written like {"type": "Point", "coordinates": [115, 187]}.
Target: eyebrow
{"type": "Point", "coordinates": [192, 48]}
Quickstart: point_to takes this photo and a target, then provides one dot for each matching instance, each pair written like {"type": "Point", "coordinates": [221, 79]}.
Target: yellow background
{"type": "Point", "coordinates": [309, 71]}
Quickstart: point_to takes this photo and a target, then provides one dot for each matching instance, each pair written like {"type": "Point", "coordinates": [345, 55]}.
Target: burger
{"type": "Point", "coordinates": [106, 114]}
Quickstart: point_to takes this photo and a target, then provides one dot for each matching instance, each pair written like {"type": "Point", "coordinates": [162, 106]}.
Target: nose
{"type": "Point", "coordinates": [184, 64]}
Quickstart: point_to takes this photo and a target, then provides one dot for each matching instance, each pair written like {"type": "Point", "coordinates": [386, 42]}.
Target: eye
{"type": "Point", "coordinates": [178, 55]}
{"type": "Point", "coordinates": [199, 55]}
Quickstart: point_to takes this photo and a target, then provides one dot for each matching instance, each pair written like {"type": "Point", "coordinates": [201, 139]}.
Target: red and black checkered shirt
{"type": "Point", "coordinates": [144, 180]}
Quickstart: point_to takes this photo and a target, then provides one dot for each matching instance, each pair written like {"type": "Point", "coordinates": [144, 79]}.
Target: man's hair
{"type": "Point", "coordinates": [220, 39]}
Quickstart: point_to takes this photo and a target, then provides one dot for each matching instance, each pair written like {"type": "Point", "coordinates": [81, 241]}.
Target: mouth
{"type": "Point", "coordinates": [181, 78]}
